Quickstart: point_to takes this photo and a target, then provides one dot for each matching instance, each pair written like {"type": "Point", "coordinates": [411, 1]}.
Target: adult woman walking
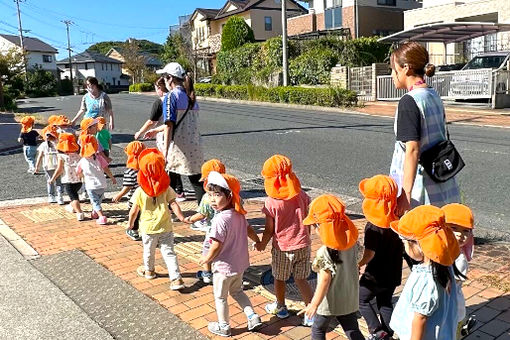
{"type": "Point", "coordinates": [419, 125]}
{"type": "Point", "coordinates": [182, 144]}
{"type": "Point", "coordinates": [95, 103]}
{"type": "Point", "coordinates": [156, 119]}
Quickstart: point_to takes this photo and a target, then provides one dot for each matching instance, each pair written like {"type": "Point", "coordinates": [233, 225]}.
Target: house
{"type": "Point", "coordinates": [362, 17]}
{"type": "Point", "coordinates": [152, 63]}
{"type": "Point", "coordinates": [438, 11]}
{"type": "Point", "coordinates": [263, 16]}
{"type": "Point", "coordinates": [38, 52]}
{"type": "Point", "coordinates": [108, 71]}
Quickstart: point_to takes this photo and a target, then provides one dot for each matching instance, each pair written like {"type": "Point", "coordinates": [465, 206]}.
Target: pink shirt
{"type": "Point", "coordinates": [289, 231]}
{"type": "Point", "coordinates": [231, 229]}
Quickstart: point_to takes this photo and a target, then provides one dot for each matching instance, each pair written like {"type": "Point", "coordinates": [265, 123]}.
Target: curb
{"type": "Point", "coordinates": [17, 242]}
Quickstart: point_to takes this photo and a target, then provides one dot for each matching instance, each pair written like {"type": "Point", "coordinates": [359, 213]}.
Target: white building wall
{"type": "Point", "coordinates": [36, 58]}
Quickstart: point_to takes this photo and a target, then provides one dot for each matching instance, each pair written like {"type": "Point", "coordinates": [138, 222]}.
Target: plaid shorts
{"type": "Point", "coordinates": [293, 262]}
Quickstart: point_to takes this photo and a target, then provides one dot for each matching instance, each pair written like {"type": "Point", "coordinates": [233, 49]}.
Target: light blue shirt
{"type": "Point", "coordinates": [422, 294]}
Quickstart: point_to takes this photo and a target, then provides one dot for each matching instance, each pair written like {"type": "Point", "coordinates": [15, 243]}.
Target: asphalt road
{"type": "Point", "coordinates": [330, 151]}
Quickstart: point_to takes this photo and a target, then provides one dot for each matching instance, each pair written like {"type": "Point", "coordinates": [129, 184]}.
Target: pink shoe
{"type": "Point", "coordinates": [94, 215]}
{"type": "Point", "coordinates": [102, 220]}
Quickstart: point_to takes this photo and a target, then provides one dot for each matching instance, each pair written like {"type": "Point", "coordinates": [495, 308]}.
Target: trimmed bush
{"type": "Point", "coordinates": [141, 87]}
{"type": "Point", "coordinates": [236, 33]}
{"type": "Point", "coordinates": [327, 96]}
{"type": "Point", "coordinates": [312, 67]}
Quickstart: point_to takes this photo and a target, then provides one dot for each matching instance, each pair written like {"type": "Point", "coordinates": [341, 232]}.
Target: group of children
{"type": "Point", "coordinates": [436, 242]}
{"type": "Point", "coordinates": [70, 158]}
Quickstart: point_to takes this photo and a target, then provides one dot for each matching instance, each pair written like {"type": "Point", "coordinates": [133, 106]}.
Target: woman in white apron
{"type": "Point", "coordinates": [95, 103]}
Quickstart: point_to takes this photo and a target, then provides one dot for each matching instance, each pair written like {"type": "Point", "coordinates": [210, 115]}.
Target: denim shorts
{"type": "Point", "coordinates": [96, 197]}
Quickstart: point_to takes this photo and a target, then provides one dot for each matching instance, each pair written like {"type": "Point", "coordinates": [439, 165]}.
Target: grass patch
{"type": "Point", "coordinates": [495, 281]}
{"type": "Point", "coordinates": [39, 119]}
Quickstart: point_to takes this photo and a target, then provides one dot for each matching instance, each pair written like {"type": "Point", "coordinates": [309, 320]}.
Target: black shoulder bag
{"type": "Point", "coordinates": [176, 125]}
{"type": "Point", "coordinates": [442, 161]}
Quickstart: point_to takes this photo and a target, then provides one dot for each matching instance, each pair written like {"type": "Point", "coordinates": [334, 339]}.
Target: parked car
{"type": "Point", "coordinates": [469, 83]}
{"type": "Point", "coordinates": [205, 80]}
{"type": "Point", "coordinates": [450, 67]}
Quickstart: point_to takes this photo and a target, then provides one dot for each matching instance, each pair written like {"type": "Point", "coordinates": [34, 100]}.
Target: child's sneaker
{"type": "Point", "coordinates": [93, 215]}
{"type": "Point", "coordinates": [145, 273]}
{"type": "Point", "coordinates": [133, 234]}
{"type": "Point", "coordinates": [177, 284]}
{"type": "Point", "coordinates": [467, 328]}
{"type": "Point", "coordinates": [69, 208]}
{"type": "Point", "coordinates": [102, 220]}
{"type": "Point", "coordinates": [205, 276]}
{"type": "Point", "coordinates": [80, 216]}
{"type": "Point", "coordinates": [181, 197]}
{"type": "Point", "coordinates": [60, 200]}
{"type": "Point", "coordinates": [221, 330]}
{"type": "Point", "coordinates": [281, 312]}
{"type": "Point", "coordinates": [380, 335]}
{"type": "Point", "coordinates": [307, 322]}
{"type": "Point", "coordinates": [200, 226]}
{"type": "Point", "coordinates": [254, 322]}
{"type": "Point", "coordinates": [52, 199]}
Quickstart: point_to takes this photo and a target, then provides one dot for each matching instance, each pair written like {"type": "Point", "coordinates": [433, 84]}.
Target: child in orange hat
{"type": "Point", "coordinates": [92, 167]}
{"type": "Point", "coordinates": [152, 199]}
{"type": "Point", "coordinates": [382, 255]}
{"type": "Point", "coordinates": [229, 251]}
{"type": "Point", "coordinates": [47, 154]}
{"type": "Point", "coordinates": [285, 208]}
{"type": "Point", "coordinates": [204, 215]}
{"type": "Point", "coordinates": [336, 295]}
{"type": "Point", "coordinates": [28, 136]}
{"type": "Point", "coordinates": [427, 307]}
{"type": "Point", "coordinates": [460, 219]}
{"type": "Point", "coordinates": [63, 124]}
{"type": "Point", "coordinates": [68, 159]}
{"type": "Point", "coordinates": [130, 183]}
{"type": "Point", "coordinates": [104, 136]}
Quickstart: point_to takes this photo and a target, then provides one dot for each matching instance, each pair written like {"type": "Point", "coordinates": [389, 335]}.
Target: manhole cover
{"type": "Point", "coordinates": [291, 291]}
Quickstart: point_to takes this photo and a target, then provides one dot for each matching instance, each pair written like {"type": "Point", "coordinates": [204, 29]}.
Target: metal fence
{"type": "Point", "coordinates": [360, 80]}
{"type": "Point", "coordinates": [467, 84]}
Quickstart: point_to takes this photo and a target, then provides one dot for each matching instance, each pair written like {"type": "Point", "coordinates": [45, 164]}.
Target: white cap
{"type": "Point", "coordinates": [173, 69]}
{"type": "Point", "coordinates": [216, 178]}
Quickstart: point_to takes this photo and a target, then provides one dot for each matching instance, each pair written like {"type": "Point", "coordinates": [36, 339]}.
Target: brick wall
{"type": "Point", "coordinates": [301, 24]}
{"type": "Point", "coordinates": [348, 19]}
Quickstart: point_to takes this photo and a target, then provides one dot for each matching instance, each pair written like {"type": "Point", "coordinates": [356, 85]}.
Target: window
{"type": "Point", "coordinates": [333, 3]}
{"type": "Point", "coordinates": [86, 66]}
{"type": "Point", "coordinates": [102, 67]}
{"type": "Point", "coordinates": [268, 23]}
{"type": "Point", "coordinates": [111, 67]}
{"type": "Point", "coordinates": [46, 58]}
{"type": "Point", "coordinates": [333, 17]}
{"type": "Point", "coordinates": [387, 2]}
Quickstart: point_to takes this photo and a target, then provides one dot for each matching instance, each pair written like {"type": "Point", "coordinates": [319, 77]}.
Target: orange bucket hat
{"type": "Point", "coordinates": [426, 225]}
{"type": "Point", "coordinates": [88, 145]}
{"type": "Point", "coordinates": [380, 201]}
{"type": "Point", "coordinates": [49, 130]}
{"type": "Point", "coordinates": [231, 183]}
{"type": "Point", "coordinates": [152, 176]}
{"type": "Point", "coordinates": [101, 122]}
{"type": "Point", "coordinates": [67, 143]}
{"type": "Point", "coordinates": [133, 150]}
{"type": "Point", "coordinates": [459, 214]}
{"type": "Point", "coordinates": [27, 123]}
{"type": "Point", "coordinates": [53, 119]}
{"type": "Point", "coordinates": [87, 122]}
{"type": "Point", "coordinates": [211, 165]}
{"type": "Point", "coordinates": [280, 181]}
{"type": "Point", "coordinates": [335, 229]}
{"type": "Point", "coordinates": [62, 120]}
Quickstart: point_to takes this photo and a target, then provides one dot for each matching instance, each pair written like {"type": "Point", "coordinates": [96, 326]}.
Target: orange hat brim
{"type": "Point", "coordinates": [458, 214]}
{"type": "Point", "coordinates": [68, 146]}
{"type": "Point", "coordinates": [379, 212]}
{"type": "Point", "coordinates": [282, 188]}
{"type": "Point", "coordinates": [338, 234]}
{"type": "Point", "coordinates": [441, 246]}
{"type": "Point", "coordinates": [153, 179]}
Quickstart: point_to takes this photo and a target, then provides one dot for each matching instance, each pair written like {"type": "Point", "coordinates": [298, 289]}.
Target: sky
{"type": "Point", "coordinates": [95, 21]}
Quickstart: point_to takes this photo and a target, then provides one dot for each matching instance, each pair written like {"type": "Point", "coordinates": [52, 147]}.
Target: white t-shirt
{"type": "Point", "coordinates": [50, 155]}
{"type": "Point", "coordinates": [69, 174]}
{"type": "Point", "coordinates": [93, 173]}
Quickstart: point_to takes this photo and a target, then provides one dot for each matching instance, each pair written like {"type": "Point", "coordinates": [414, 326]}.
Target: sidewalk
{"type": "Point", "coordinates": [49, 229]}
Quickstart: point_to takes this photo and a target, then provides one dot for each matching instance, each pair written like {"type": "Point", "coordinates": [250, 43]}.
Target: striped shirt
{"type": "Point", "coordinates": [130, 180]}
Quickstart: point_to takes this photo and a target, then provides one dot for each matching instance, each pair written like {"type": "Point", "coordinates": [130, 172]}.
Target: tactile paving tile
{"type": "Point", "coordinates": [116, 306]}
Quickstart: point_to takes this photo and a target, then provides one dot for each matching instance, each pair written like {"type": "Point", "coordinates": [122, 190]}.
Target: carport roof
{"type": "Point", "coordinates": [447, 32]}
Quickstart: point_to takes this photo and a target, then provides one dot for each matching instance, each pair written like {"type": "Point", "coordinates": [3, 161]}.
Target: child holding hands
{"type": "Point", "coordinates": [229, 251]}
{"type": "Point", "coordinates": [336, 295]}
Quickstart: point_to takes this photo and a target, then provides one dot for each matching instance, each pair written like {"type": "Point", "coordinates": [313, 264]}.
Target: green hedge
{"type": "Point", "coordinates": [328, 96]}
{"type": "Point", "coordinates": [141, 87]}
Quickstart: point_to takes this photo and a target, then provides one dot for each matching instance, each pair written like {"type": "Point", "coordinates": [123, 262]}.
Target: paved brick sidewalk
{"type": "Point", "coordinates": [49, 229]}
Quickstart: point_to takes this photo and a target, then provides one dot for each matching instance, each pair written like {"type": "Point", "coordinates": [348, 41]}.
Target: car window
{"type": "Point", "coordinates": [485, 62]}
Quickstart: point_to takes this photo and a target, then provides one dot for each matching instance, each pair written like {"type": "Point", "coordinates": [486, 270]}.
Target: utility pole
{"type": "Point", "coordinates": [22, 45]}
{"type": "Point", "coordinates": [284, 43]}
{"type": "Point", "coordinates": [67, 23]}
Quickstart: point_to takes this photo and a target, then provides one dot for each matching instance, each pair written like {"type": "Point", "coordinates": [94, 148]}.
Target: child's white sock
{"type": "Point", "coordinates": [248, 310]}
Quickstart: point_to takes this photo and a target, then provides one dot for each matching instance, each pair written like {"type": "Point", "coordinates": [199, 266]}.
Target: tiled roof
{"type": "Point", "coordinates": [30, 44]}
{"type": "Point", "coordinates": [91, 57]}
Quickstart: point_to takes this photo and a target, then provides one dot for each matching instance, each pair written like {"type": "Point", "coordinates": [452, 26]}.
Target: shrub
{"type": "Point", "coordinates": [237, 66]}
{"type": "Point", "coordinates": [312, 67]}
{"type": "Point", "coordinates": [141, 87]}
{"type": "Point", "coordinates": [40, 83]}
{"type": "Point", "coordinates": [236, 33]}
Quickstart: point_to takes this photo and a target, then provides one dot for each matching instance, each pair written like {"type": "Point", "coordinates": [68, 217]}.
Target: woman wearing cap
{"type": "Point", "coordinates": [427, 307]}
{"type": "Point", "coordinates": [95, 103]}
{"type": "Point", "coordinates": [181, 138]}
{"type": "Point", "coordinates": [336, 295]}
{"type": "Point", "coordinates": [419, 125]}
{"type": "Point", "coordinates": [156, 119]}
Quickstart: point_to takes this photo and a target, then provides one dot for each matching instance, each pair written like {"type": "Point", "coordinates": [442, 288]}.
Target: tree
{"type": "Point", "coordinates": [40, 83]}
{"type": "Point", "coordinates": [11, 70]}
{"type": "Point", "coordinates": [236, 33]}
{"type": "Point", "coordinates": [178, 48]}
{"type": "Point", "coordinates": [134, 62]}
{"type": "Point", "coordinates": [171, 50]}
